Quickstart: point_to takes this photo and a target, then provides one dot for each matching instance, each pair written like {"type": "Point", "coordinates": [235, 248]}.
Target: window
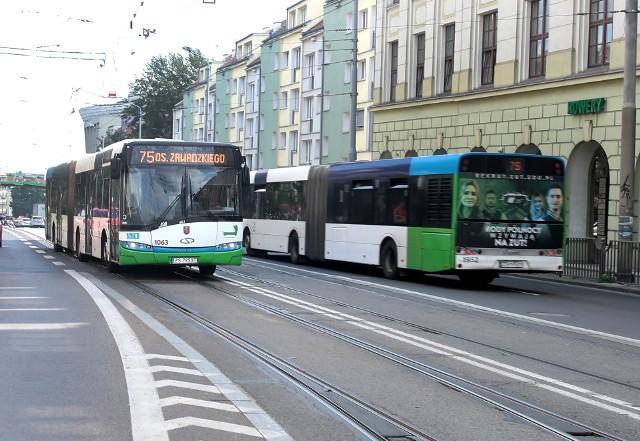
{"type": "Point", "coordinates": [302, 13]}
{"type": "Point", "coordinates": [295, 99]}
{"type": "Point", "coordinates": [600, 31]}
{"type": "Point", "coordinates": [347, 72]}
{"type": "Point", "coordinates": [362, 19]}
{"type": "Point", "coordinates": [285, 60]}
{"type": "Point", "coordinates": [362, 70]}
{"type": "Point", "coordinates": [346, 122]}
{"type": "Point", "coordinates": [489, 31]}
{"type": "Point", "coordinates": [349, 24]}
{"type": "Point", "coordinates": [293, 140]}
{"type": "Point", "coordinates": [449, 47]}
{"type": "Point", "coordinates": [276, 61]}
{"type": "Point", "coordinates": [419, 64]}
{"type": "Point", "coordinates": [274, 140]}
{"type": "Point", "coordinates": [283, 140]}
{"type": "Point", "coordinates": [539, 40]}
{"type": "Point", "coordinates": [360, 119]}
{"type": "Point", "coordinates": [283, 103]}
{"type": "Point", "coordinates": [393, 77]}
{"type": "Point", "coordinates": [275, 100]}
{"type": "Point", "coordinates": [234, 86]}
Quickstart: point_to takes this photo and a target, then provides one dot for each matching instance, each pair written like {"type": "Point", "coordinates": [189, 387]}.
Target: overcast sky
{"type": "Point", "coordinates": [59, 56]}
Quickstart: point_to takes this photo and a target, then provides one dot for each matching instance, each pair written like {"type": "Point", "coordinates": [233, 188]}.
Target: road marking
{"type": "Point", "coordinates": [32, 309]}
{"type": "Point", "coordinates": [59, 263]}
{"type": "Point", "coordinates": [473, 307]}
{"type": "Point", "coordinates": [147, 421]}
{"type": "Point", "coordinates": [173, 401]}
{"type": "Point", "coordinates": [258, 417]}
{"type": "Point", "coordinates": [39, 326]}
{"type": "Point", "coordinates": [178, 370]}
{"type": "Point", "coordinates": [488, 364]}
{"type": "Point", "coordinates": [210, 424]}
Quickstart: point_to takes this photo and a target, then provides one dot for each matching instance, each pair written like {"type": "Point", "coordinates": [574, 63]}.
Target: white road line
{"type": "Point", "coordinates": [176, 370]}
{"type": "Point", "coordinates": [31, 309]}
{"type": "Point", "coordinates": [186, 385]}
{"type": "Point", "coordinates": [39, 326]}
{"type": "Point", "coordinates": [210, 424]}
{"type": "Point", "coordinates": [548, 383]}
{"type": "Point", "coordinates": [258, 417]}
{"type": "Point", "coordinates": [473, 307]}
{"type": "Point", "coordinates": [59, 263]}
{"type": "Point", "coordinates": [147, 421]}
{"type": "Point", "coordinates": [165, 357]}
{"type": "Point", "coordinates": [173, 401]}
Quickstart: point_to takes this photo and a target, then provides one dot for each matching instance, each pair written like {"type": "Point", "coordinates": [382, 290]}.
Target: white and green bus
{"type": "Point", "coordinates": [474, 215]}
{"type": "Point", "coordinates": [150, 202]}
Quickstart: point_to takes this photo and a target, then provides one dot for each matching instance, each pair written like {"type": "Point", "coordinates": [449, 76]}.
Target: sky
{"type": "Point", "coordinates": [57, 57]}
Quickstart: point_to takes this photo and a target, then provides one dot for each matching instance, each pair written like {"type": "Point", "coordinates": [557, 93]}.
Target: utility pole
{"type": "Point", "coordinates": [207, 74]}
{"type": "Point", "coordinates": [628, 129]}
{"type": "Point", "coordinates": [354, 85]}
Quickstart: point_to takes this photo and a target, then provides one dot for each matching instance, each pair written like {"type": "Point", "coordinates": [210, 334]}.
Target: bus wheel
{"type": "Point", "coordinates": [294, 249]}
{"type": "Point", "coordinates": [207, 270]}
{"type": "Point", "coordinates": [81, 256]}
{"type": "Point", "coordinates": [389, 259]}
{"type": "Point", "coordinates": [246, 243]}
{"type": "Point", "coordinates": [476, 278]}
{"type": "Point", "coordinates": [109, 266]}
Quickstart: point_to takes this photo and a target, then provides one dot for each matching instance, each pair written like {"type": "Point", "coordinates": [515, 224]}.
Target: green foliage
{"type": "Point", "coordinates": [115, 136]}
{"type": "Point", "coordinates": [159, 89]}
{"type": "Point", "coordinates": [607, 277]}
{"type": "Point", "coordinates": [23, 197]}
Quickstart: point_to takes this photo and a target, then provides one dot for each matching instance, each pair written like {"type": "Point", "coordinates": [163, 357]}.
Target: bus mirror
{"type": "Point", "coordinates": [245, 176]}
{"type": "Point", "coordinates": [116, 163]}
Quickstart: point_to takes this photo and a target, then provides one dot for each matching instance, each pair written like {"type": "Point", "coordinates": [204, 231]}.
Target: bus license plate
{"type": "Point", "coordinates": [184, 260]}
{"type": "Point", "coordinates": [512, 264]}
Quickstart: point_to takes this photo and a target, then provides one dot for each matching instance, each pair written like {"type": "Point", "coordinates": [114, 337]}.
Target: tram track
{"type": "Point", "coordinates": [372, 420]}
{"type": "Point", "coordinates": [434, 331]}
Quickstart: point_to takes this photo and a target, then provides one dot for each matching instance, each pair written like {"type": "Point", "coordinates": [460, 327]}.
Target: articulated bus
{"type": "Point", "coordinates": [474, 215]}
{"type": "Point", "coordinates": [150, 202]}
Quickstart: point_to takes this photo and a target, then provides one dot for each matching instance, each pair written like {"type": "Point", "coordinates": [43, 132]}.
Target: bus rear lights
{"type": "Point", "coordinates": [551, 253]}
{"type": "Point", "coordinates": [137, 246]}
{"type": "Point", "coordinates": [468, 251]}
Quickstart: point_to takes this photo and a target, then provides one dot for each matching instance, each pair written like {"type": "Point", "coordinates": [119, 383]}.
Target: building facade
{"type": "Point", "coordinates": [447, 76]}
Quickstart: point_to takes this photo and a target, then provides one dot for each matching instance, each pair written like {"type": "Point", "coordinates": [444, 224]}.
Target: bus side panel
{"type": "Point", "coordinates": [430, 251]}
{"type": "Point", "coordinates": [273, 235]}
{"type": "Point", "coordinates": [362, 243]}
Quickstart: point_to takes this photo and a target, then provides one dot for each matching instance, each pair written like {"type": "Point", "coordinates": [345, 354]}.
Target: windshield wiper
{"type": "Point", "coordinates": [161, 218]}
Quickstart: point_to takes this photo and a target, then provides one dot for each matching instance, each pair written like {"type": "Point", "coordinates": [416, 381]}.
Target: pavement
{"type": "Point", "coordinates": [592, 283]}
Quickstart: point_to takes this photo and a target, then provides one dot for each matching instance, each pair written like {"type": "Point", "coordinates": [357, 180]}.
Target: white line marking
{"type": "Point", "coordinates": [147, 421]}
{"type": "Point", "coordinates": [46, 256]}
{"type": "Point", "coordinates": [173, 401]}
{"type": "Point", "coordinates": [40, 251]}
{"type": "Point", "coordinates": [39, 326]}
{"type": "Point", "coordinates": [176, 370]}
{"type": "Point", "coordinates": [209, 424]}
{"type": "Point", "coordinates": [32, 309]}
{"type": "Point", "coordinates": [59, 263]}
{"type": "Point", "coordinates": [23, 298]}
{"type": "Point", "coordinates": [258, 417]}
{"type": "Point", "coordinates": [449, 351]}
{"type": "Point", "coordinates": [473, 307]}
{"type": "Point", "coordinates": [186, 385]}
{"type": "Point", "coordinates": [165, 357]}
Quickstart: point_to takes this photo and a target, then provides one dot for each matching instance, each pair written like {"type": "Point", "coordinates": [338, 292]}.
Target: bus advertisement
{"type": "Point", "coordinates": [474, 215]}
{"type": "Point", "coordinates": [150, 202]}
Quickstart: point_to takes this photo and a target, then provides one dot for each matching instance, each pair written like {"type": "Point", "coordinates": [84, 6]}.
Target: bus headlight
{"type": "Point", "coordinates": [137, 246]}
{"type": "Point", "coordinates": [230, 246]}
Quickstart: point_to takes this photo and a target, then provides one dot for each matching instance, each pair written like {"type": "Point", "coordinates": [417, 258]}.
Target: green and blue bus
{"type": "Point", "coordinates": [474, 215]}
{"type": "Point", "coordinates": [150, 202]}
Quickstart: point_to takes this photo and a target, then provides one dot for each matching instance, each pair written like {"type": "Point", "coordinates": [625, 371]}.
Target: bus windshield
{"type": "Point", "coordinates": [156, 196]}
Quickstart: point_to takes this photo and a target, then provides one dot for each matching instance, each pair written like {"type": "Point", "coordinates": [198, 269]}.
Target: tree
{"type": "Point", "coordinates": [23, 197]}
{"type": "Point", "coordinates": [115, 136]}
{"type": "Point", "coordinates": [159, 89]}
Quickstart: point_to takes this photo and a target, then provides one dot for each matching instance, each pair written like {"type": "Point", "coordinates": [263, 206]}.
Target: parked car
{"type": "Point", "coordinates": [25, 222]}
{"type": "Point", "coordinates": [37, 221]}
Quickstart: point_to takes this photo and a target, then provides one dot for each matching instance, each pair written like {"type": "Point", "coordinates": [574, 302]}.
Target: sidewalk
{"type": "Point", "coordinates": [573, 280]}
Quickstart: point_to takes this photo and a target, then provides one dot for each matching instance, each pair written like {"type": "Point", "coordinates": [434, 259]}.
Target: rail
{"type": "Point", "coordinates": [617, 261]}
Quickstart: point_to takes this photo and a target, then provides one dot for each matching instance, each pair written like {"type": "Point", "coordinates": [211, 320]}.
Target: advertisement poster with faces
{"type": "Point", "coordinates": [516, 211]}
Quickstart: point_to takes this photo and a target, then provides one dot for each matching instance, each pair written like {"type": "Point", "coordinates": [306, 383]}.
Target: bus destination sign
{"type": "Point", "coordinates": [181, 155]}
